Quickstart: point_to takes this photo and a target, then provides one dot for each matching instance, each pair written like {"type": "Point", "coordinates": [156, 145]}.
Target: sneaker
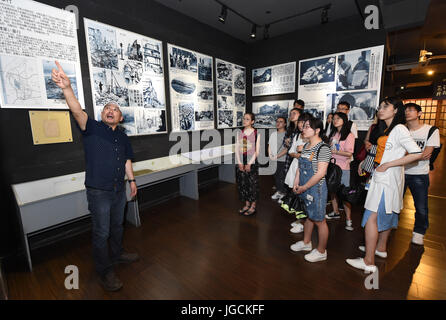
{"type": "Point", "coordinates": [382, 254]}
{"type": "Point", "coordinates": [127, 258]}
{"type": "Point", "coordinates": [295, 223]}
{"type": "Point", "coordinates": [348, 225]}
{"type": "Point", "coordinates": [276, 196]}
{"type": "Point", "coordinates": [300, 215]}
{"type": "Point", "coordinates": [359, 263]}
{"type": "Point", "coordinates": [332, 215]}
{"type": "Point", "coordinates": [110, 282]}
{"type": "Point", "coordinates": [298, 228]}
{"type": "Point", "coordinates": [418, 238]}
{"type": "Point", "coordinates": [301, 246]}
{"type": "Point", "coordinates": [315, 256]}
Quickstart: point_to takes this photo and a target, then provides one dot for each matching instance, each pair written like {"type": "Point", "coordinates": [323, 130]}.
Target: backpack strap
{"type": "Point", "coordinates": [431, 131]}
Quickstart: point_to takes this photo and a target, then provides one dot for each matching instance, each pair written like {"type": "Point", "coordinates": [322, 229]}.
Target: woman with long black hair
{"type": "Point", "coordinates": [384, 201]}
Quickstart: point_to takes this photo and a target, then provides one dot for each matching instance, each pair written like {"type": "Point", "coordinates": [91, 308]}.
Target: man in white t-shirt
{"type": "Point", "coordinates": [417, 173]}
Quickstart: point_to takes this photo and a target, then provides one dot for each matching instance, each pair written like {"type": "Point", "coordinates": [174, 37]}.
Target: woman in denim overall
{"type": "Point", "coordinates": [312, 188]}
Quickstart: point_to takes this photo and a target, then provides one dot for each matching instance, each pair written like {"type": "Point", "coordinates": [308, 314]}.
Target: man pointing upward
{"type": "Point", "coordinates": [108, 155]}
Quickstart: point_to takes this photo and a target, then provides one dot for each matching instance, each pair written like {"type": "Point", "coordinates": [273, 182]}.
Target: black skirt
{"type": "Point", "coordinates": [248, 183]}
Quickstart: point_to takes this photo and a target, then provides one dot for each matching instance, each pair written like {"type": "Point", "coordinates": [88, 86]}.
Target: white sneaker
{"type": "Point", "coordinates": [382, 254]}
{"type": "Point", "coordinates": [348, 225]}
{"type": "Point", "coordinates": [359, 263]}
{"type": "Point", "coordinates": [315, 256]}
{"type": "Point", "coordinates": [276, 195]}
{"type": "Point", "coordinates": [301, 246]}
{"type": "Point", "coordinates": [298, 228]}
{"type": "Point", "coordinates": [418, 238]}
{"type": "Point", "coordinates": [295, 223]}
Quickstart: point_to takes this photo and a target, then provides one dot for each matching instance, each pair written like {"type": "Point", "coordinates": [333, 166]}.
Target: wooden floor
{"type": "Point", "coordinates": [205, 250]}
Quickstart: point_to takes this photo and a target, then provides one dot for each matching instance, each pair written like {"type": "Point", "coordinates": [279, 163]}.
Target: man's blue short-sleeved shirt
{"type": "Point", "coordinates": [106, 152]}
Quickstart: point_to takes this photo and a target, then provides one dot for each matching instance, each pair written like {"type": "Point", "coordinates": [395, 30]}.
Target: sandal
{"type": "Point", "coordinates": [249, 212]}
{"type": "Point", "coordinates": [244, 209]}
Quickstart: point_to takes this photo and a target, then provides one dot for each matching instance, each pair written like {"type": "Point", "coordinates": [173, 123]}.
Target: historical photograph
{"type": "Point", "coordinates": [132, 71]}
{"type": "Point", "coordinates": [182, 59]}
{"type": "Point", "coordinates": [225, 118]}
{"type": "Point", "coordinates": [224, 70]}
{"type": "Point", "coordinates": [134, 51]}
{"type": "Point", "coordinates": [110, 86]}
{"type": "Point", "coordinates": [262, 75]}
{"type": "Point", "coordinates": [53, 92]}
{"type": "Point", "coordinates": [153, 94]}
{"type": "Point", "coordinates": [150, 120]}
{"type": "Point", "coordinates": [186, 110]}
{"type": "Point", "coordinates": [103, 47]}
{"type": "Point", "coordinates": [152, 57]}
{"type": "Point", "coordinates": [240, 100]}
{"type": "Point", "coordinates": [206, 115]}
{"type": "Point", "coordinates": [128, 124]}
{"type": "Point", "coordinates": [353, 70]}
{"type": "Point", "coordinates": [181, 86]}
{"type": "Point", "coordinates": [224, 103]}
{"type": "Point", "coordinates": [315, 112]}
{"type": "Point", "coordinates": [205, 93]}
{"type": "Point", "coordinates": [205, 69]}
{"type": "Point", "coordinates": [317, 71]}
{"type": "Point", "coordinates": [224, 88]}
{"type": "Point", "coordinates": [267, 112]}
{"type": "Point", "coordinates": [362, 104]}
{"type": "Point", "coordinates": [239, 78]}
{"type": "Point", "coordinates": [239, 118]}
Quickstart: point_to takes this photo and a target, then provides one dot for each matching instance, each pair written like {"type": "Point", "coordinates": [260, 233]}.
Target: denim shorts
{"type": "Point", "coordinates": [384, 221]}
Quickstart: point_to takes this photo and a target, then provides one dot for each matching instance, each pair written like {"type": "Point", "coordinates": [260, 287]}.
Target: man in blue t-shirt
{"type": "Point", "coordinates": [108, 155]}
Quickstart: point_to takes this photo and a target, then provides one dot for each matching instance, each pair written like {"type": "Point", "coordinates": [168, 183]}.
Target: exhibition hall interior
{"type": "Point", "coordinates": [223, 150]}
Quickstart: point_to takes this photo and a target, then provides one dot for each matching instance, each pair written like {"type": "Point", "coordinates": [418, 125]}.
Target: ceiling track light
{"type": "Point", "coordinates": [253, 31]}
{"type": "Point", "coordinates": [324, 15]}
{"type": "Point", "coordinates": [223, 14]}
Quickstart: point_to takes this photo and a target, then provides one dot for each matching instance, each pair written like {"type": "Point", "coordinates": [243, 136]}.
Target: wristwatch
{"type": "Point", "coordinates": [132, 180]}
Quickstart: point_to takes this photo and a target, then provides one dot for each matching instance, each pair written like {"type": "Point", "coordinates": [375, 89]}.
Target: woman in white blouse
{"type": "Point", "coordinates": [384, 199]}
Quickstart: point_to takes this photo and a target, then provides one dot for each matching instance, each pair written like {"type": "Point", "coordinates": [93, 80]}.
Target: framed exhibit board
{"type": "Point", "coordinates": [352, 76]}
{"type": "Point", "coordinates": [33, 35]}
{"type": "Point", "coordinates": [266, 112]}
{"type": "Point", "coordinates": [191, 89]}
{"type": "Point", "coordinates": [277, 79]}
{"type": "Point", "coordinates": [231, 94]}
{"type": "Point", "coordinates": [127, 68]}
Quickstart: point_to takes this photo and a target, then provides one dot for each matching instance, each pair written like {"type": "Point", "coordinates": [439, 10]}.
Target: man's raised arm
{"type": "Point", "coordinates": [62, 81]}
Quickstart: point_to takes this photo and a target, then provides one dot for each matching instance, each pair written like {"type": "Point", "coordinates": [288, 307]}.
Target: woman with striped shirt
{"type": "Point", "coordinates": [311, 186]}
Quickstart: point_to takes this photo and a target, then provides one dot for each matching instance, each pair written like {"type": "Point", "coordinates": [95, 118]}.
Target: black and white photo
{"type": "Point", "coordinates": [267, 112]}
{"type": "Point", "coordinates": [205, 69]}
{"type": "Point", "coordinates": [183, 59]}
{"type": "Point", "coordinates": [317, 71]}
{"type": "Point", "coordinates": [205, 93]}
{"type": "Point", "coordinates": [183, 86]}
{"type": "Point", "coordinates": [110, 86]}
{"type": "Point", "coordinates": [224, 103]}
{"type": "Point", "coordinates": [353, 70]}
{"type": "Point", "coordinates": [262, 75]}
{"type": "Point", "coordinates": [225, 118]}
{"type": "Point", "coordinates": [206, 115]}
{"type": "Point", "coordinates": [103, 46]}
{"type": "Point", "coordinates": [239, 78]}
{"type": "Point", "coordinates": [53, 92]}
{"type": "Point", "coordinates": [362, 104]}
{"type": "Point", "coordinates": [152, 57]}
{"type": "Point", "coordinates": [128, 124]}
{"type": "Point", "coordinates": [224, 88]}
{"type": "Point", "coordinates": [224, 71]}
{"type": "Point", "coordinates": [187, 116]}
{"type": "Point", "coordinates": [240, 100]}
{"type": "Point", "coordinates": [132, 71]}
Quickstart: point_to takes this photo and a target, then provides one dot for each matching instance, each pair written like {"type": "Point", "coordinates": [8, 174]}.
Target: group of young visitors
{"type": "Point", "coordinates": [398, 147]}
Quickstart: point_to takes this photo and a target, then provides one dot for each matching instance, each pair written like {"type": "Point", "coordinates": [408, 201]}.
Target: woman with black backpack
{"type": "Point", "coordinates": [311, 186]}
{"type": "Point", "coordinates": [342, 143]}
